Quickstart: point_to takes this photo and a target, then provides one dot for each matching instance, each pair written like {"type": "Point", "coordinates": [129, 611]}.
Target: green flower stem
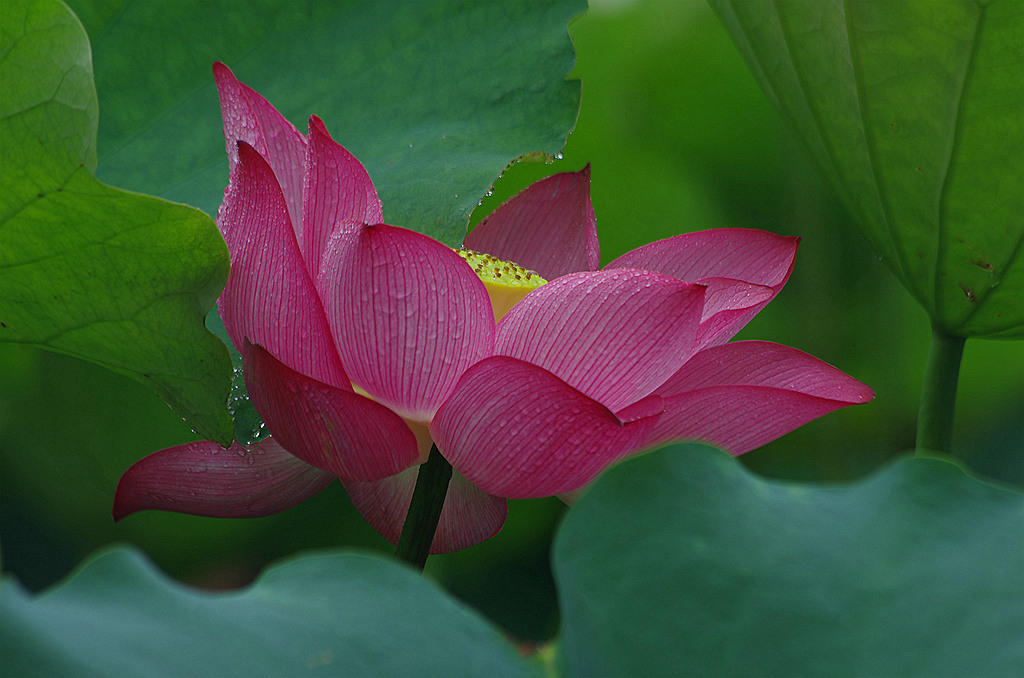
{"type": "Point", "coordinates": [424, 510]}
{"type": "Point", "coordinates": [938, 396]}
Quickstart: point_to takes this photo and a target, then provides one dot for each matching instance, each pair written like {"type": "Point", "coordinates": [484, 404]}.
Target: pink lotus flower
{"type": "Point", "coordinates": [365, 343]}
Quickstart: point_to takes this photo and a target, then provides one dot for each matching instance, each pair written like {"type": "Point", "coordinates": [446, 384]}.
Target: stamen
{"type": "Point", "coordinates": [506, 281]}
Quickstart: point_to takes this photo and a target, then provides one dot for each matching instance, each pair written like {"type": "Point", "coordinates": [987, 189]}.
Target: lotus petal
{"type": "Point", "coordinates": [204, 479]}
{"type": "Point", "coordinates": [757, 258]}
{"type": "Point", "coordinates": [250, 118]}
{"type": "Point", "coordinates": [337, 193]}
{"type": "Point", "coordinates": [408, 316]}
{"type": "Point", "coordinates": [469, 515]}
{"type": "Point", "coordinates": [745, 394]}
{"type": "Point", "coordinates": [516, 430]}
{"type": "Point", "coordinates": [269, 297]}
{"type": "Point", "coordinates": [613, 335]}
{"type": "Point", "coordinates": [548, 227]}
{"type": "Point", "coordinates": [331, 428]}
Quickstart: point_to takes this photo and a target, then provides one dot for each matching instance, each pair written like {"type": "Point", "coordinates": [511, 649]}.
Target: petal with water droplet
{"type": "Point", "coordinates": [518, 431]}
{"type": "Point", "coordinates": [744, 394]}
{"type": "Point", "coordinates": [337, 194]}
{"type": "Point", "coordinates": [549, 227]}
{"type": "Point", "coordinates": [269, 297]}
{"type": "Point", "coordinates": [613, 335]}
{"type": "Point", "coordinates": [250, 118]}
{"type": "Point", "coordinates": [408, 316]}
{"type": "Point", "coordinates": [736, 256]}
{"type": "Point", "coordinates": [202, 479]}
{"type": "Point", "coordinates": [334, 429]}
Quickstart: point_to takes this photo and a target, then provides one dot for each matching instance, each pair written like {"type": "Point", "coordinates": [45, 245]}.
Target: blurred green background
{"type": "Point", "coordinates": [680, 138]}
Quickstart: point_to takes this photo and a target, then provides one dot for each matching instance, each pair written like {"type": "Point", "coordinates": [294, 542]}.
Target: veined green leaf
{"type": "Point", "coordinates": [121, 279]}
{"type": "Point", "coordinates": [434, 97]}
{"type": "Point", "coordinates": [915, 112]}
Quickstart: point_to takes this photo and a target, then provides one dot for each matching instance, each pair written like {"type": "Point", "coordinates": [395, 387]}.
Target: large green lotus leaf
{"type": "Point", "coordinates": [915, 111]}
{"type": "Point", "coordinates": [434, 97]}
{"type": "Point", "coordinates": [680, 562]}
{"type": "Point", "coordinates": [121, 279]}
{"type": "Point", "coordinates": [326, 615]}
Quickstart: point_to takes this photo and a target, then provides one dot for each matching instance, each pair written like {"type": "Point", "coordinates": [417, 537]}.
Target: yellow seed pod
{"type": "Point", "coordinates": [506, 281]}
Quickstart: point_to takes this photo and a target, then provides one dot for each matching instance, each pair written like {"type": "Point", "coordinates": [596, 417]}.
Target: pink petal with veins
{"type": "Point", "coordinates": [408, 316]}
{"type": "Point", "coordinates": [515, 430]}
{"type": "Point", "coordinates": [549, 227]}
{"type": "Point", "coordinates": [758, 258]}
{"type": "Point", "coordinates": [469, 515]}
{"type": "Point", "coordinates": [204, 479]}
{"type": "Point", "coordinates": [613, 335]}
{"type": "Point", "coordinates": [337, 192]}
{"type": "Point", "coordinates": [728, 306]}
{"type": "Point", "coordinates": [250, 118]}
{"type": "Point", "coordinates": [745, 254]}
{"type": "Point", "coordinates": [269, 297]}
{"type": "Point", "coordinates": [742, 395]}
{"type": "Point", "coordinates": [331, 428]}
